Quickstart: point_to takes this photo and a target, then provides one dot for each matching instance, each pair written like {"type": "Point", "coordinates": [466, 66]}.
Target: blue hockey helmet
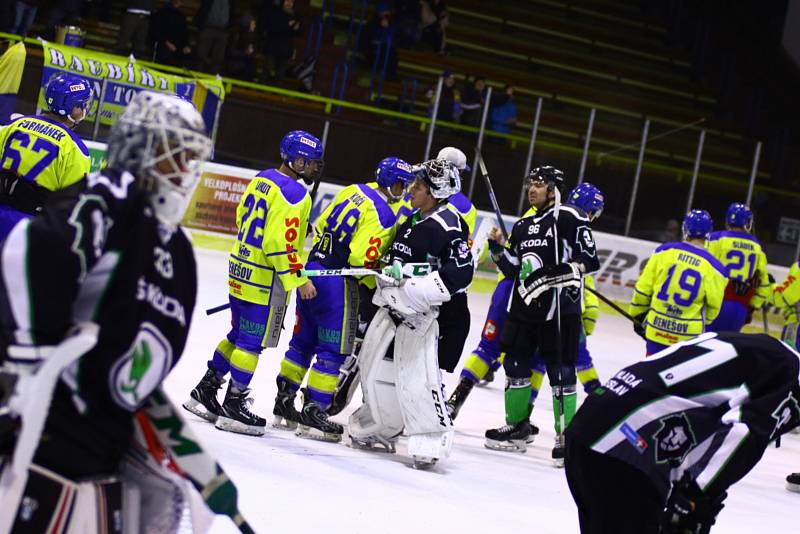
{"type": "Point", "coordinates": [65, 92]}
{"type": "Point", "coordinates": [738, 215]}
{"type": "Point", "coordinates": [588, 198]}
{"type": "Point", "coordinates": [697, 224]}
{"type": "Point", "coordinates": [297, 145]}
{"type": "Point", "coordinates": [392, 170]}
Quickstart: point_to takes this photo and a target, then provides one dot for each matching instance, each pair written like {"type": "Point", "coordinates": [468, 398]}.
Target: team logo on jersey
{"type": "Point", "coordinates": [530, 263]}
{"type": "Point", "coordinates": [674, 439]}
{"type": "Point", "coordinates": [462, 254]}
{"type": "Point", "coordinates": [490, 330]}
{"type": "Point", "coordinates": [586, 241]}
{"type": "Point", "coordinates": [142, 368]}
{"type": "Point", "coordinates": [786, 415]}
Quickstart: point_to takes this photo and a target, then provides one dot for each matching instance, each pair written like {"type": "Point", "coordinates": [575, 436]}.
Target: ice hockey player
{"type": "Point", "coordinates": [742, 255]}
{"type": "Point", "coordinates": [681, 288]}
{"type": "Point", "coordinates": [355, 230]}
{"type": "Point", "coordinates": [486, 357]}
{"type": "Point", "coordinates": [402, 386]}
{"type": "Point", "coordinates": [272, 219]}
{"type": "Point", "coordinates": [547, 256]}
{"type": "Point", "coordinates": [40, 154]}
{"type": "Point", "coordinates": [785, 297]}
{"type": "Point", "coordinates": [676, 431]}
{"type": "Point", "coordinates": [114, 255]}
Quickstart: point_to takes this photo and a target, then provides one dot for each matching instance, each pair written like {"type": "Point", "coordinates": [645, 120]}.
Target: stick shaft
{"type": "Point", "coordinates": [612, 304]}
{"type": "Point", "coordinates": [492, 197]}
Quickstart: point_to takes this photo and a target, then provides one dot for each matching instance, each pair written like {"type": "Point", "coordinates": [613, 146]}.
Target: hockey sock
{"type": "Point", "coordinates": [478, 364]}
{"type": "Point", "coordinates": [517, 396]}
{"type": "Point", "coordinates": [323, 378]}
{"type": "Point", "coordinates": [243, 365]}
{"type": "Point", "coordinates": [570, 406]}
{"type": "Point", "coordinates": [537, 377]}
{"type": "Point", "coordinates": [294, 367]}
{"type": "Point", "coordinates": [587, 374]}
{"type": "Point", "coordinates": [221, 360]}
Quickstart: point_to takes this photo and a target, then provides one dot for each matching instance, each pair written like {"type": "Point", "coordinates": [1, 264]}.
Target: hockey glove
{"type": "Point", "coordinates": [639, 325]}
{"type": "Point", "coordinates": [549, 277]}
{"type": "Point", "coordinates": [689, 510]}
{"type": "Point", "coordinates": [416, 295]}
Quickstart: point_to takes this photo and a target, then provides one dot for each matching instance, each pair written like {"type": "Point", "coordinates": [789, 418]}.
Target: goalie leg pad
{"type": "Point", "coordinates": [421, 393]}
{"type": "Point", "coordinates": [380, 416]}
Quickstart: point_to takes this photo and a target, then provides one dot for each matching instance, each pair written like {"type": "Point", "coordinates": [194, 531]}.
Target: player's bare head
{"type": "Point", "coordinates": [394, 177]}
{"type": "Point", "coordinates": [161, 140]}
{"type": "Point", "coordinates": [421, 197]}
{"type": "Point", "coordinates": [542, 185]}
{"type": "Point", "coordinates": [302, 153]}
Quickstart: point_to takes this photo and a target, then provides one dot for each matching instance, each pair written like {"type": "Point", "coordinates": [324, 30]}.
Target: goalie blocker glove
{"type": "Point", "coordinates": [417, 295]}
{"type": "Point", "coordinates": [548, 277]}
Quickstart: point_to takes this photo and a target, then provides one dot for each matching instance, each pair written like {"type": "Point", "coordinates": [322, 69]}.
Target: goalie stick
{"type": "Point", "coordinates": [396, 271]}
{"type": "Point", "coordinates": [31, 394]}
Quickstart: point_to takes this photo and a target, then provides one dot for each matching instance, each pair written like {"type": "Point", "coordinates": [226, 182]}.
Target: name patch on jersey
{"type": "Point", "coordinates": [168, 306]}
{"type": "Point", "coordinates": [142, 368]}
{"type": "Point", "coordinates": [623, 382]}
{"type": "Point", "coordinates": [691, 260]}
{"type": "Point", "coordinates": [44, 129]}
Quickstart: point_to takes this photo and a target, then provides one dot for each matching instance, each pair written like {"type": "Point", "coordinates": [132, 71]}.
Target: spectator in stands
{"type": "Point", "coordinates": [472, 101]}
{"type": "Point", "coordinates": [407, 23]}
{"type": "Point", "coordinates": [24, 16]}
{"type": "Point", "coordinates": [6, 16]}
{"type": "Point", "coordinates": [64, 13]}
{"type": "Point", "coordinates": [213, 19]}
{"type": "Point", "coordinates": [242, 62]}
{"type": "Point", "coordinates": [282, 26]}
{"type": "Point", "coordinates": [378, 34]}
{"type": "Point", "coordinates": [450, 101]}
{"type": "Point", "coordinates": [134, 29]}
{"type": "Point", "coordinates": [169, 33]}
{"type": "Point", "coordinates": [504, 111]}
{"type": "Point", "coordinates": [671, 232]}
{"type": "Point", "coordinates": [434, 24]}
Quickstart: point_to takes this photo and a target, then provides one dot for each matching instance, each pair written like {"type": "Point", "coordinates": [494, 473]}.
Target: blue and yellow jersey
{"type": "Point", "coordinates": [44, 151]}
{"type": "Point", "coordinates": [459, 203]}
{"type": "Point", "coordinates": [681, 290]}
{"type": "Point", "coordinates": [356, 229]}
{"type": "Point", "coordinates": [786, 295]}
{"type": "Point", "coordinates": [272, 218]}
{"type": "Point", "coordinates": [590, 310]}
{"type": "Point", "coordinates": [744, 258]}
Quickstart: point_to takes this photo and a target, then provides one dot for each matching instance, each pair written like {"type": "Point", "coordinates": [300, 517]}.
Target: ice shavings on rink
{"type": "Point", "coordinates": [290, 484]}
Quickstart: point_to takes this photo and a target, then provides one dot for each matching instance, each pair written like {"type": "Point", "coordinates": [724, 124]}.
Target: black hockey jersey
{"type": "Point", "coordinates": [440, 239]}
{"type": "Point", "coordinates": [100, 257]}
{"type": "Point", "coordinates": [710, 405]}
{"type": "Point", "coordinates": [532, 241]}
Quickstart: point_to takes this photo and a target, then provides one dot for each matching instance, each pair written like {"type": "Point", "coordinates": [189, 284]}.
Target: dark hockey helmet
{"type": "Point", "coordinates": [550, 175]}
{"type": "Point", "coordinates": [738, 215]}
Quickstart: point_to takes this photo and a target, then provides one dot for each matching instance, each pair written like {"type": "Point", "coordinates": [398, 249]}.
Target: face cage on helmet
{"type": "Point", "coordinates": [184, 150]}
{"type": "Point", "coordinates": [306, 171]}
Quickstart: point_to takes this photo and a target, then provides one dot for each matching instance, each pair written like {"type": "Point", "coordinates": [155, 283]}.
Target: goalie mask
{"type": "Point", "coordinates": [162, 141]}
{"type": "Point", "coordinates": [441, 177]}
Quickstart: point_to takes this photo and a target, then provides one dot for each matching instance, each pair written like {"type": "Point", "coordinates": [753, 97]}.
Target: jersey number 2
{"type": "Point", "coordinates": [40, 145]}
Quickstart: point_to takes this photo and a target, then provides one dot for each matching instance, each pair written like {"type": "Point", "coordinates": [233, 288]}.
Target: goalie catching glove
{"type": "Point", "coordinates": [533, 284]}
{"type": "Point", "coordinates": [416, 295]}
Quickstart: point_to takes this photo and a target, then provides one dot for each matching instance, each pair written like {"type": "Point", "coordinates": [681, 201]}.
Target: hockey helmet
{"type": "Point", "coordinates": [441, 177]}
{"type": "Point", "coordinates": [697, 225]}
{"type": "Point", "coordinates": [65, 92]}
{"type": "Point", "coordinates": [550, 175]}
{"type": "Point", "coordinates": [391, 171]}
{"type": "Point", "coordinates": [738, 215]}
{"type": "Point", "coordinates": [297, 145]}
{"type": "Point", "coordinates": [588, 198]}
{"type": "Point", "coordinates": [454, 156]}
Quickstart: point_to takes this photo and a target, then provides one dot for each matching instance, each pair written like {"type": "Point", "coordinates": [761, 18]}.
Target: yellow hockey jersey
{"type": "Point", "coordinates": [354, 230]}
{"type": "Point", "coordinates": [786, 296]}
{"type": "Point", "coordinates": [272, 219]}
{"type": "Point", "coordinates": [681, 290]}
{"type": "Point", "coordinates": [591, 306]}
{"type": "Point", "coordinates": [44, 151]}
{"type": "Point", "coordinates": [744, 258]}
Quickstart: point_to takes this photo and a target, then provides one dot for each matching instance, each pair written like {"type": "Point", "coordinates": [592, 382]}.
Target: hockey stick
{"type": "Point", "coordinates": [492, 197]}
{"type": "Point", "coordinates": [765, 318]}
{"type": "Point", "coordinates": [396, 271]}
{"type": "Point", "coordinates": [30, 400]}
{"type": "Point", "coordinates": [612, 304]}
{"type": "Point", "coordinates": [559, 355]}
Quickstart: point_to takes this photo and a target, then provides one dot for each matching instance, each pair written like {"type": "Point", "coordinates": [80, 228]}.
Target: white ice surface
{"type": "Point", "coordinates": [291, 484]}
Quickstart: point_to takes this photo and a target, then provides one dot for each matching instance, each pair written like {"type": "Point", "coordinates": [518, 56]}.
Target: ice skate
{"type": "Point", "coordinates": [793, 482]}
{"type": "Point", "coordinates": [203, 398]}
{"type": "Point", "coordinates": [511, 438]}
{"type": "Point", "coordinates": [422, 463]}
{"type": "Point", "coordinates": [372, 443]}
{"type": "Point", "coordinates": [460, 394]}
{"type": "Point", "coordinates": [488, 378]}
{"type": "Point", "coordinates": [314, 424]}
{"type": "Point", "coordinates": [534, 433]}
{"type": "Point", "coordinates": [286, 416]}
{"type": "Point", "coordinates": [235, 414]}
{"type": "Point", "coordinates": [558, 451]}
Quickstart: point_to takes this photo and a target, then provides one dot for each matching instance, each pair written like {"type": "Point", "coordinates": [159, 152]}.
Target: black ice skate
{"type": "Point", "coordinates": [203, 398]}
{"type": "Point", "coordinates": [534, 432]}
{"type": "Point", "coordinates": [512, 438]}
{"type": "Point", "coordinates": [286, 416]}
{"type": "Point", "coordinates": [558, 451]}
{"type": "Point", "coordinates": [314, 424]}
{"type": "Point", "coordinates": [793, 482]}
{"type": "Point", "coordinates": [235, 414]}
{"type": "Point", "coordinates": [460, 394]}
{"type": "Point", "coordinates": [345, 385]}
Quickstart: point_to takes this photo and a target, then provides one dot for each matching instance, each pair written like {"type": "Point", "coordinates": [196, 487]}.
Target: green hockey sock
{"type": "Point", "coordinates": [518, 393]}
{"type": "Point", "coordinates": [570, 406]}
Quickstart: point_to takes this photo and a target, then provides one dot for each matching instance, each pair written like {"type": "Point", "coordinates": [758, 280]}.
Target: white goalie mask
{"type": "Point", "coordinates": [441, 177]}
{"type": "Point", "coordinates": [162, 141]}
